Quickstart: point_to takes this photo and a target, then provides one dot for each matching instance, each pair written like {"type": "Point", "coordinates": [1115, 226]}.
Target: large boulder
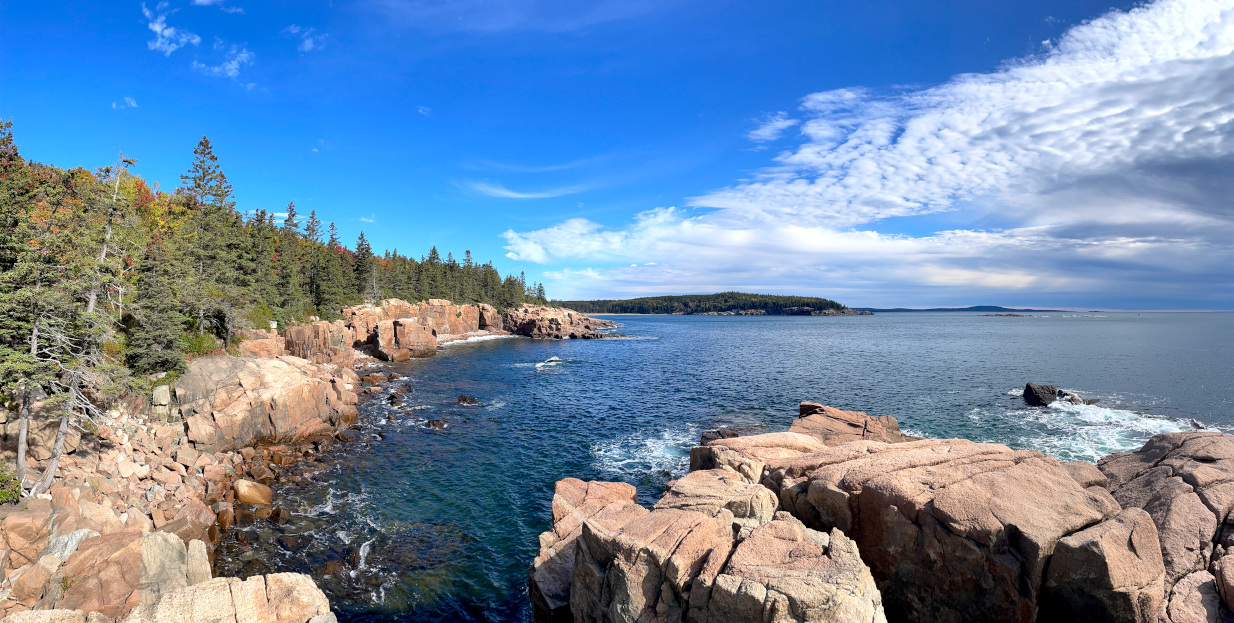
{"type": "Point", "coordinates": [233, 402]}
{"type": "Point", "coordinates": [274, 598]}
{"type": "Point", "coordinates": [708, 491]}
{"type": "Point", "coordinates": [608, 505]}
{"type": "Point", "coordinates": [787, 572]}
{"type": "Point", "coordinates": [1108, 572]}
{"type": "Point", "coordinates": [1185, 482]}
{"type": "Point", "coordinates": [747, 455]}
{"type": "Point", "coordinates": [951, 529]}
{"type": "Point", "coordinates": [835, 426]}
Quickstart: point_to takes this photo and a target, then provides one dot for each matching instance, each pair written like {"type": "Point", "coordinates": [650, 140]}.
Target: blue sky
{"type": "Point", "coordinates": [879, 153]}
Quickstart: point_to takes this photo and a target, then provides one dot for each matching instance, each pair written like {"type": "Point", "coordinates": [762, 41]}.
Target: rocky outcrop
{"type": "Point", "coordinates": [552, 323]}
{"type": "Point", "coordinates": [274, 598]}
{"type": "Point", "coordinates": [947, 530]}
{"type": "Point", "coordinates": [835, 426]}
{"type": "Point", "coordinates": [400, 340]}
{"type": "Point", "coordinates": [1043, 395]}
{"type": "Point", "coordinates": [687, 559]}
{"type": "Point", "coordinates": [232, 402]}
{"type": "Point", "coordinates": [1185, 482]}
{"type": "Point", "coordinates": [321, 342]}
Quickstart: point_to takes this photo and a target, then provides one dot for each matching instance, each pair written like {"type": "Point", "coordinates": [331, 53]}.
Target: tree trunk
{"type": "Point", "coordinates": [22, 431]}
{"type": "Point", "coordinates": [49, 476]}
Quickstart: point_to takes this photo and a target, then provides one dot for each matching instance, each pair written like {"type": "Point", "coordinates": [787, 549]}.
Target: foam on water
{"type": "Point", "coordinates": [480, 338]}
{"type": "Point", "coordinates": [647, 457]}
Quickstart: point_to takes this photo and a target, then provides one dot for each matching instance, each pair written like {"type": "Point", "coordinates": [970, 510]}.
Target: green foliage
{"type": "Point", "coordinates": [201, 344]}
{"type": "Point", "coordinates": [10, 486]}
{"type": "Point", "coordinates": [703, 303]}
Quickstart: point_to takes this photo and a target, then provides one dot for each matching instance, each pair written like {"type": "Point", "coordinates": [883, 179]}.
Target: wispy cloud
{"type": "Point", "coordinates": [424, 110]}
{"type": "Point", "coordinates": [372, 218]}
{"type": "Point", "coordinates": [310, 39]}
{"type": "Point", "coordinates": [495, 189]}
{"type": "Point", "coordinates": [127, 103]}
{"type": "Point", "coordinates": [166, 38]}
{"type": "Point", "coordinates": [220, 4]}
{"type": "Point", "coordinates": [523, 168]}
{"type": "Point", "coordinates": [771, 127]}
{"type": "Point", "coordinates": [235, 57]}
{"type": "Point", "coordinates": [1101, 162]}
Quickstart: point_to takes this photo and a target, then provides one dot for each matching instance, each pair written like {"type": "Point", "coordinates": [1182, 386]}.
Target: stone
{"type": "Point", "coordinates": [187, 456]}
{"type": "Point", "coordinates": [104, 574]}
{"type": "Point", "coordinates": [196, 563]}
{"type": "Point", "coordinates": [252, 492]}
{"type": "Point", "coordinates": [1194, 599]}
{"type": "Point", "coordinates": [708, 491]}
{"type": "Point", "coordinates": [64, 546]}
{"type": "Point", "coordinates": [787, 572]}
{"type": "Point", "coordinates": [1111, 571]}
{"type": "Point", "coordinates": [161, 396]}
{"type": "Point", "coordinates": [46, 616]}
{"type": "Point", "coordinates": [747, 455]}
{"type": "Point", "coordinates": [162, 565]}
{"type": "Point", "coordinates": [274, 598]}
{"type": "Point", "coordinates": [294, 597]}
{"type": "Point", "coordinates": [1039, 395]}
{"type": "Point", "coordinates": [835, 426]}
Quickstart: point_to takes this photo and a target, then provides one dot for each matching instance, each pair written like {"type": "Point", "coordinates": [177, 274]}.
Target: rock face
{"type": "Point", "coordinates": [685, 561]}
{"type": "Point", "coordinates": [321, 342]}
{"type": "Point", "coordinates": [1185, 482]}
{"type": "Point", "coordinates": [552, 322]}
{"type": "Point", "coordinates": [835, 426]}
{"type": "Point", "coordinates": [787, 572]}
{"type": "Point", "coordinates": [274, 598]}
{"type": "Point", "coordinates": [232, 402]}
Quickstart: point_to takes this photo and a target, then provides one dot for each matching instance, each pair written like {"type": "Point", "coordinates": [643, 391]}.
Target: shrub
{"type": "Point", "coordinates": [10, 487]}
{"type": "Point", "coordinates": [200, 344]}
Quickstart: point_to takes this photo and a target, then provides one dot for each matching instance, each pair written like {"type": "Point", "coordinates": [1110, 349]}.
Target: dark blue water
{"type": "Point", "coordinates": [412, 523]}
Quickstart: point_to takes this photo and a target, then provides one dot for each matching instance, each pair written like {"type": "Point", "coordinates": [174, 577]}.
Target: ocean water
{"type": "Point", "coordinates": [416, 524]}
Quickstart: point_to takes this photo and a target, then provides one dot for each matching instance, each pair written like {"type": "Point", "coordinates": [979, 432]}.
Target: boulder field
{"type": "Point", "coordinates": [844, 518]}
{"type": "Point", "coordinates": [128, 531]}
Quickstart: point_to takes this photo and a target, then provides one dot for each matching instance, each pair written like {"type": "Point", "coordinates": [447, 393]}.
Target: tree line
{"type": "Point", "coordinates": [703, 303]}
{"type": "Point", "coordinates": [106, 280]}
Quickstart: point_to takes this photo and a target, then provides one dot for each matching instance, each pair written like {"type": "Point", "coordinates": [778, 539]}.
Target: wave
{"type": "Point", "coordinates": [642, 456]}
{"type": "Point", "coordinates": [479, 338]}
{"type": "Point", "coordinates": [1090, 432]}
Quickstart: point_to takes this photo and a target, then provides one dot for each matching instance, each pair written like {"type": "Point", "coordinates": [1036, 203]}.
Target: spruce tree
{"type": "Point", "coordinates": [155, 342]}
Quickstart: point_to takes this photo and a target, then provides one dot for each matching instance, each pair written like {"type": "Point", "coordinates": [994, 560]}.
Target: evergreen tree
{"type": "Point", "coordinates": [365, 270]}
{"type": "Point", "coordinates": [155, 343]}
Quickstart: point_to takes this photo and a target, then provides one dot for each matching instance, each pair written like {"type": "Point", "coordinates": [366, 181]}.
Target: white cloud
{"type": "Point", "coordinates": [495, 189]}
{"type": "Point", "coordinates": [1097, 168]}
{"type": "Point", "coordinates": [166, 39]}
{"type": "Point", "coordinates": [220, 4]}
{"type": "Point", "coordinates": [127, 103]}
{"type": "Point", "coordinates": [771, 127]}
{"type": "Point", "coordinates": [235, 57]}
{"type": "Point", "coordinates": [424, 110]}
{"type": "Point", "coordinates": [372, 218]}
{"type": "Point", "coordinates": [309, 38]}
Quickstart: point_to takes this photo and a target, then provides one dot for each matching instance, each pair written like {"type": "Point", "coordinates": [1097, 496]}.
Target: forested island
{"type": "Point", "coordinates": [722, 303]}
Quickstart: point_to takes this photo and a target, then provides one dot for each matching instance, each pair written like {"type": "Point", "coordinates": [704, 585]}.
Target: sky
{"type": "Point", "coordinates": [880, 153]}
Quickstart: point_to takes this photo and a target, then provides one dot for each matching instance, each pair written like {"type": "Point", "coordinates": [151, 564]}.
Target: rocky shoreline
{"type": "Point", "coordinates": [128, 531]}
{"type": "Point", "coordinates": [844, 518]}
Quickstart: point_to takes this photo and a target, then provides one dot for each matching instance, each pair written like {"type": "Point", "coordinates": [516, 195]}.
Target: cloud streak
{"type": "Point", "coordinates": [235, 57]}
{"type": "Point", "coordinates": [1097, 166]}
{"type": "Point", "coordinates": [495, 189]}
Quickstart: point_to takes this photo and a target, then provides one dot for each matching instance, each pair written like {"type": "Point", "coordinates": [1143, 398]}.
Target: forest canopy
{"type": "Point", "coordinates": [705, 303]}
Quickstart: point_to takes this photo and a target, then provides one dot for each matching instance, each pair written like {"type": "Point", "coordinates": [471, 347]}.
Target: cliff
{"type": "Point", "coordinates": [847, 519]}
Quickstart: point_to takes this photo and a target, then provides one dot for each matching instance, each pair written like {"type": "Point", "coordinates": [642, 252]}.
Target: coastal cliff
{"type": "Point", "coordinates": [128, 530]}
{"type": "Point", "coordinates": [844, 518]}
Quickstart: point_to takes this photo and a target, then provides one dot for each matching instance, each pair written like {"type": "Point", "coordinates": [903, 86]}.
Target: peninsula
{"type": "Point", "coordinates": [719, 304]}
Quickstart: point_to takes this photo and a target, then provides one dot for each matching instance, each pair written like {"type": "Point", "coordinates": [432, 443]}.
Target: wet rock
{"type": "Point", "coordinates": [466, 400]}
{"type": "Point", "coordinates": [835, 426]}
{"type": "Point", "coordinates": [252, 493]}
{"type": "Point", "coordinates": [376, 378]}
{"type": "Point", "coordinates": [1044, 395]}
{"type": "Point", "coordinates": [438, 424]}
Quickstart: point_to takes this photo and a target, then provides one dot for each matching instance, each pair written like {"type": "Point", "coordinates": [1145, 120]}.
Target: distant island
{"type": "Point", "coordinates": [974, 308]}
{"type": "Point", "coordinates": [720, 304]}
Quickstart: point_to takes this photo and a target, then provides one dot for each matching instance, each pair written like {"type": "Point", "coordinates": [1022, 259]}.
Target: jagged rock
{"type": "Point", "coordinates": [787, 572]}
{"type": "Point", "coordinates": [951, 529]}
{"type": "Point", "coordinates": [1194, 599]}
{"type": "Point", "coordinates": [232, 402]}
{"type": "Point", "coordinates": [609, 505]}
{"type": "Point", "coordinates": [400, 340]}
{"type": "Point", "coordinates": [1043, 395]}
{"type": "Point", "coordinates": [1111, 571]}
{"type": "Point", "coordinates": [537, 321]}
{"type": "Point", "coordinates": [708, 491]}
{"type": "Point", "coordinates": [835, 426]}
{"type": "Point", "coordinates": [321, 342]}
{"type": "Point", "coordinates": [46, 616]}
{"type": "Point", "coordinates": [274, 598]}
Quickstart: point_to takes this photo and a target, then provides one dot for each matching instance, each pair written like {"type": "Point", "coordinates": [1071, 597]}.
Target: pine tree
{"type": "Point", "coordinates": [155, 343]}
{"type": "Point", "coordinates": [365, 275]}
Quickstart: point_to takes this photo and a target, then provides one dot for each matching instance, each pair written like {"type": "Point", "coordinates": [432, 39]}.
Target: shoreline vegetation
{"type": "Point", "coordinates": [719, 304]}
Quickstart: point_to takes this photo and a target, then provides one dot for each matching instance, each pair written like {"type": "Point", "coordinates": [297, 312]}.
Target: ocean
{"type": "Point", "coordinates": [424, 524]}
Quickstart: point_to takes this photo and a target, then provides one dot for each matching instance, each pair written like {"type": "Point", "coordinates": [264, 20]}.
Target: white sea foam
{"type": "Point", "coordinates": [1089, 432]}
{"type": "Point", "coordinates": [641, 454]}
{"type": "Point", "coordinates": [479, 338]}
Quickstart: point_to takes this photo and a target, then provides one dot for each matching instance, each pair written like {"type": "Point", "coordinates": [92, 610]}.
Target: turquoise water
{"type": "Point", "coordinates": [412, 523]}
